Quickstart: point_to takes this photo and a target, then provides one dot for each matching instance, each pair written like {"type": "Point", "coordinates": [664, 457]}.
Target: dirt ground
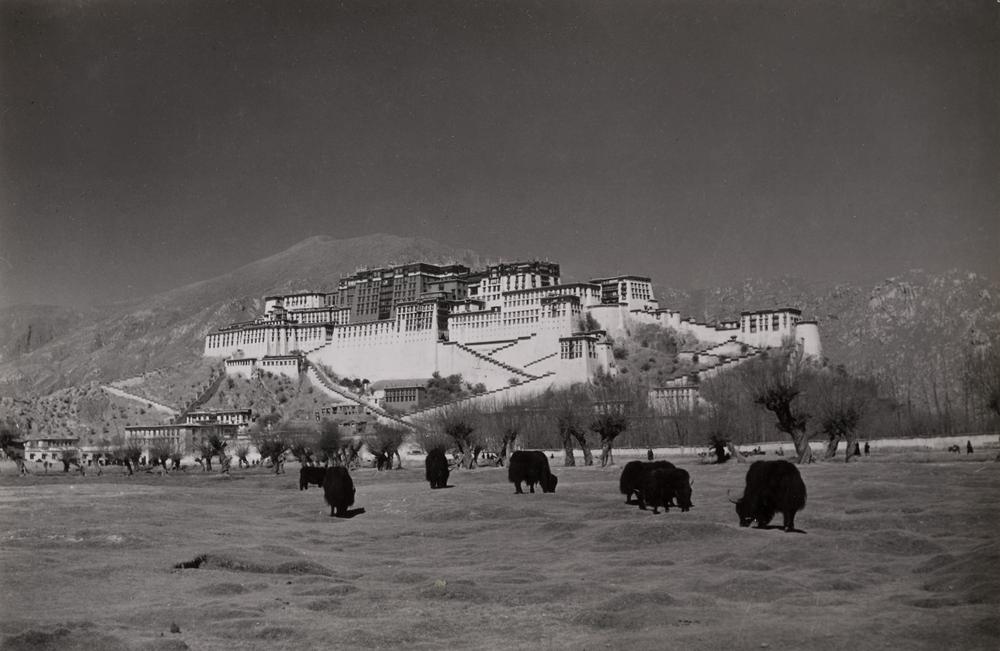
{"type": "Point", "coordinates": [900, 552]}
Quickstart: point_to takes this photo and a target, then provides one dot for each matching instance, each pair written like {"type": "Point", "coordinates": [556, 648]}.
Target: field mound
{"type": "Point", "coordinates": [259, 561]}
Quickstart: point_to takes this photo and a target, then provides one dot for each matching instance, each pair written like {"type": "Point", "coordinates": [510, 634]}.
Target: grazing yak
{"type": "Point", "coordinates": [531, 467]}
{"type": "Point", "coordinates": [436, 466]}
{"type": "Point", "coordinates": [661, 486]}
{"type": "Point", "coordinates": [631, 479]}
{"type": "Point", "coordinates": [772, 486]}
{"type": "Point", "coordinates": [338, 490]}
{"type": "Point", "coordinates": [311, 475]}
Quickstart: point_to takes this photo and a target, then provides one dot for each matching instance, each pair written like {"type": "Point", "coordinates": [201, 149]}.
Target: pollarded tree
{"type": "Point", "coordinates": [330, 442]}
{"type": "Point", "coordinates": [11, 445]}
{"type": "Point", "coordinates": [775, 381]}
{"type": "Point", "coordinates": [500, 428]}
{"type": "Point", "coordinates": [727, 412]}
{"type": "Point", "coordinates": [159, 454]}
{"type": "Point", "coordinates": [241, 451]}
{"type": "Point", "coordinates": [211, 445]}
{"type": "Point", "coordinates": [840, 402]}
{"type": "Point", "coordinates": [269, 440]}
{"type": "Point", "coordinates": [70, 457]}
{"type": "Point", "coordinates": [129, 455]}
{"type": "Point", "coordinates": [384, 442]}
{"type": "Point", "coordinates": [459, 423]}
{"type": "Point", "coordinates": [608, 425]}
{"type": "Point", "coordinates": [303, 438]}
{"type": "Point", "coordinates": [572, 412]}
{"type": "Point", "coordinates": [272, 446]}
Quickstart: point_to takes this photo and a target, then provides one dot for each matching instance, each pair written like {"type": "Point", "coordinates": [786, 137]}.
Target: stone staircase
{"type": "Point", "coordinates": [325, 383]}
{"type": "Point", "coordinates": [115, 391]}
{"type": "Point", "coordinates": [533, 386]}
{"type": "Point", "coordinates": [507, 367]}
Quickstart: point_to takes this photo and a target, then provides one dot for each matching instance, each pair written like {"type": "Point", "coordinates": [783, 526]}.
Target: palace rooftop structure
{"type": "Point", "coordinates": [514, 327]}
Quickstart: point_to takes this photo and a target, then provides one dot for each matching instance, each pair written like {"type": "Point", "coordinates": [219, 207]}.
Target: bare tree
{"type": "Point", "coordinates": [384, 442]}
{"type": "Point", "coordinates": [241, 451]}
{"type": "Point", "coordinates": [501, 427]}
{"type": "Point", "coordinates": [775, 381]}
{"type": "Point", "coordinates": [270, 441]}
{"type": "Point", "coordinates": [982, 375]}
{"type": "Point", "coordinates": [458, 423]}
{"type": "Point", "coordinates": [330, 443]}
{"type": "Point", "coordinates": [571, 411]}
{"type": "Point", "coordinates": [159, 454]}
{"type": "Point", "coordinates": [617, 405]}
{"type": "Point", "coordinates": [129, 455]}
{"type": "Point", "coordinates": [840, 402]}
{"type": "Point", "coordinates": [211, 445]}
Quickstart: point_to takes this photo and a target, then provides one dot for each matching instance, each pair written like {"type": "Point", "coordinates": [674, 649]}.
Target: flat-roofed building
{"type": "Point", "coordinates": [636, 292]}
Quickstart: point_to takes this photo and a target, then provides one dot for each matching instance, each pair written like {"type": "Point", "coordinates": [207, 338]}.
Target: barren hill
{"type": "Point", "coordinates": [127, 339]}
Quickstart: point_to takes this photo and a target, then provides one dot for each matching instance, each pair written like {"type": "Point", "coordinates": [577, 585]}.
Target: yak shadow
{"type": "Point", "coordinates": [780, 528]}
{"type": "Point", "coordinates": [350, 513]}
{"type": "Point", "coordinates": [437, 488]}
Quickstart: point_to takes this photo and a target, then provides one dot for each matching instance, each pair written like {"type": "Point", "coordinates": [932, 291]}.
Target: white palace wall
{"type": "Point", "coordinates": [376, 350]}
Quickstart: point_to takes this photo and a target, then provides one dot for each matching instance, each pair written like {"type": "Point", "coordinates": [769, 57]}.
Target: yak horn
{"type": "Point", "coordinates": [730, 497]}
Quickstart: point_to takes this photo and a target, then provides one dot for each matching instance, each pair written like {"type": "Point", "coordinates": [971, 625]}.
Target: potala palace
{"type": "Point", "coordinates": [512, 327]}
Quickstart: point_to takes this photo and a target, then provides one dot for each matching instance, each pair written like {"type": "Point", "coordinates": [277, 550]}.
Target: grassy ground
{"type": "Point", "coordinates": [900, 552]}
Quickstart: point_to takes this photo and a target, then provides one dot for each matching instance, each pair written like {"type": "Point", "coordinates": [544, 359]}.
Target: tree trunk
{"type": "Point", "coordinates": [588, 457]}
{"type": "Point", "coordinates": [853, 449]}
{"type": "Point", "coordinates": [605, 452]}
{"type": "Point", "coordinates": [569, 459]}
{"type": "Point", "coordinates": [802, 449]}
{"type": "Point", "coordinates": [831, 447]}
{"type": "Point", "coordinates": [466, 461]}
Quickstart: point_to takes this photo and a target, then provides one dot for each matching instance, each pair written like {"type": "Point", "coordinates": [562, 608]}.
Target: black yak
{"type": "Point", "coordinates": [311, 475]}
{"type": "Point", "coordinates": [338, 490]}
{"type": "Point", "coordinates": [436, 466]}
{"type": "Point", "coordinates": [631, 479]}
{"type": "Point", "coordinates": [531, 467]}
{"type": "Point", "coordinates": [772, 486]}
{"type": "Point", "coordinates": [662, 486]}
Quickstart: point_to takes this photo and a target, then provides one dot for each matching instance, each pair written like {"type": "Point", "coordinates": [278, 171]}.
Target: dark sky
{"type": "Point", "coordinates": [149, 144]}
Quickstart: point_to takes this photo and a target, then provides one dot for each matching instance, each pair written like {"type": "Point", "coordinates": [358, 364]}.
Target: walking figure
{"type": "Point", "coordinates": [968, 447]}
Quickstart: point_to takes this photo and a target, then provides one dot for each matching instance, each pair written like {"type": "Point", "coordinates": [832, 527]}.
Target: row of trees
{"type": "Point", "coordinates": [324, 443]}
{"type": "Point", "coordinates": [779, 392]}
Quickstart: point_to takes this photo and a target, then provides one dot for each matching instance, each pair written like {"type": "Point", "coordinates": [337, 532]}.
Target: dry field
{"type": "Point", "coordinates": [899, 552]}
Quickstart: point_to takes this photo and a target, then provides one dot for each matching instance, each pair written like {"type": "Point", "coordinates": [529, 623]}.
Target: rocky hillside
{"type": "Point", "coordinates": [129, 339]}
{"type": "Point", "coordinates": [911, 331]}
{"type": "Point", "coordinates": [26, 328]}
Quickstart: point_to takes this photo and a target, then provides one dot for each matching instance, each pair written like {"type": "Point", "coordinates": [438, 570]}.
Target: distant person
{"type": "Point", "coordinates": [857, 449]}
{"type": "Point", "coordinates": [968, 447]}
{"type": "Point", "coordinates": [868, 449]}
{"type": "Point", "coordinates": [649, 454]}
